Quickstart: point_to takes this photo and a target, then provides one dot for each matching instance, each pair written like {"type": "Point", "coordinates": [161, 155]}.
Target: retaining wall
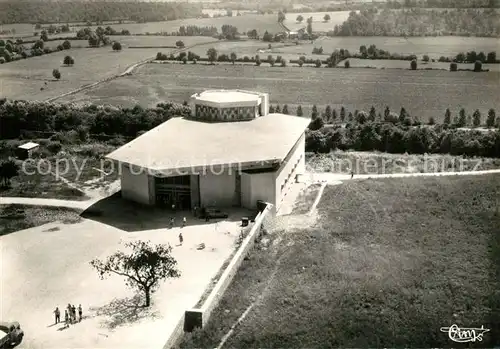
{"type": "Point", "coordinates": [198, 317]}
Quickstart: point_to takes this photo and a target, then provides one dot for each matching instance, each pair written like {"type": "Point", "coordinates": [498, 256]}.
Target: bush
{"type": "Point", "coordinates": [413, 65]}
{"type": "Point", "coordinates": [425, 58]}
{"type": "Point", "coordinates": [68, 60]}
{"type": "Point", "coordinates": [184, 60]}
{"type": "Point", "coordinates": [283, 62]}
{"type": "Point", "coordinates": [453, 66]}
{"type": "Point", "coordinates": [179, 43]}
{"type": "Point", "coordinates": [194, 61]}
{"type": "Point", "coordinates": [347, 64]}
{"type": "Point", "coordinates": [478, 66]}
{"type": "Point", "coordinates": [66, 45]}
{"type": "Point", "coordinates": [2, 60]}
{"type": "Point", "coordinates": [301, 62]}
{"type": "Point", "coordinates": [54, 147]}
{"type": "Point", "coordinates": [56, 74]}
{"type": "Point", "coordinates": [60, 47]}
{"type": "Point", "coordinates": [318, 63]}
{"type": "Point", "coordinates": [117, 46]}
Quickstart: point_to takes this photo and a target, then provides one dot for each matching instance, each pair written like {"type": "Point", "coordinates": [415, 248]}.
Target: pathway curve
{"type": "Point", "coordinates": [73, 204]}
{"type": "Point", "coordinates": [315, 177]}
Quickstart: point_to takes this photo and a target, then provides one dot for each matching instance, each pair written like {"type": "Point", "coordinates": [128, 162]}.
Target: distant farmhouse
{"type": "Point", "coordinates": [230, 152]}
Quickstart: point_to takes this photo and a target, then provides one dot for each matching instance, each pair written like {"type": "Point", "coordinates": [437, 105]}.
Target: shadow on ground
{"type": "Point", "coordinates": [130, 216]}
{"type": "Point", "coordinates": [124, 311]}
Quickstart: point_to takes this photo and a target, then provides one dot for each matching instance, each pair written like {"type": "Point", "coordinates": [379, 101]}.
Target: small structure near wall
{"type": "Point", "coordinates": [26, 150]}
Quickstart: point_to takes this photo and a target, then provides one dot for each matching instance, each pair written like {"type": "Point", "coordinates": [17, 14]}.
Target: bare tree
{"type": "Point", "coordinates": [144, 267]}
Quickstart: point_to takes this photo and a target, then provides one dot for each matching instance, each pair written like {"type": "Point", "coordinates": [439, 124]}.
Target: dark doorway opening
{"type": "Point", "coordinates": [173, 191]}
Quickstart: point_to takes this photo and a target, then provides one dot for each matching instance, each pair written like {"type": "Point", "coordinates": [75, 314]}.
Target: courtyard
{"type": "Point", "coordinates": [48, 266]}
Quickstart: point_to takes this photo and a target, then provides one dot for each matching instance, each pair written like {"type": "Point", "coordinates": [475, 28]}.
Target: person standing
{"type": "Point", "coordinates": [66, 318]}
{"type": "Point", "coordinates": [171, 222]}
{"type": "Point", "coordinates": [80, 312]}
{"type": "Point", "coordinates": [352, 174]}
{"type": "Point", "coordinates": [181, 239]}
{"type": "Point", "coordinates": [73, 313]}
{"type": "Point", "coordinates": [57, 314]}
{"type": "Point", "coordinates": [183, 222]}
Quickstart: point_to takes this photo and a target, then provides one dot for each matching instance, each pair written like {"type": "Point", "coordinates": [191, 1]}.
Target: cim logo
{"type": "Point", "coordinates": [464, 335]}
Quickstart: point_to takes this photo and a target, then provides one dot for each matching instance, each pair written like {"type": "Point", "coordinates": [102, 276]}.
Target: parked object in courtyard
{"type": "Point", "coordinates": [11, 334]}
{"type": "Point", "coordinates": [212, 212]}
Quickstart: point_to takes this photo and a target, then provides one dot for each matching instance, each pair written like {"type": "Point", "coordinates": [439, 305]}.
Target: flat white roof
{"type": "Point", "coordinates": [184, 143]}
{"type": "Point", "coordinates": [224, 96]}
{"type": "Point", "coordinates": [29, 145]}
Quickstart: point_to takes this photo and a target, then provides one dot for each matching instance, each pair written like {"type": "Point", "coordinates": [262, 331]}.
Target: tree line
{"type": "Point", "coordinates": [420, 22]}
{"type": "Point", "coordinates": [397, 4]}
{"type": "Point", "coordinates": [16, 11]}
{"type": "Point", "coordinates": [22, 117]}
{"type": "Point", "coordinates": [402, 133]}
{"type": "Point", "coordinates": [397, 138]}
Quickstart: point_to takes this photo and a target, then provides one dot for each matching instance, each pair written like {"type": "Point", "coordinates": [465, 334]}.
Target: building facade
{"type": "Point", "coordinates": [230, 153]}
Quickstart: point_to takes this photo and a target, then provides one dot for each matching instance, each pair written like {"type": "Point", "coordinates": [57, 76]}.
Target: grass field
{"type": "Point", "coordinates": [336, 18]}
{"type": "Point", "coordinates": [388, 263]}
{"type": "Point", "coordinates": [18, 217]}
{"type": "Point", "coordinates": [24, 79]}
{"type": "Point", "coordinates": [435, 47]}
{"type": "Point", "coordinates": [244, 23]}
{"type": "Point", "coordinates": [422, 93]}
{"type": "Point", "coordinates": [393, 64]}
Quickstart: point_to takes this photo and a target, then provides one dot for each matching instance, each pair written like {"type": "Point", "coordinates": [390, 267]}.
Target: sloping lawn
{"type": "Point", "coordinates": [388, 264]}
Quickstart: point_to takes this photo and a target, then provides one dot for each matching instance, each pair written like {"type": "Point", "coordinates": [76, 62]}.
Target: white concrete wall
{"type": "Point", "coordinates": [135, 185]}
{"type": "Point", "coordinates": [296, 158]}
{"type": "Point", "coordinates": [246, 191]}
{"type": "Point", "coordinates": [262, 188]}
{"type": "Point", "coordinates": [217, 189]}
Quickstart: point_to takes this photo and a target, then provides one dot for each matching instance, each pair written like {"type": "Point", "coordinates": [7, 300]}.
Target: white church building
{"type": "Point", "coordinates": [229, 152]}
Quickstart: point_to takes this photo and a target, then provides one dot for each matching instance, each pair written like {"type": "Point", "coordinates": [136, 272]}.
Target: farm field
{"type": "Point", "coordinates": [249, 48]}
{"type": "Point", "coordinates": [422, 93]}
{"type": "Point", "coordinates": [24, 79]}
{"type": "Point", "coordinates": [151, 41]}
{"type": "Point", "coordinates": [387, 264]}
{"type": "Point", "coordinates": [398, 64]}
{"type": "Point", "coordinates": [244, 23]}
{"type": "Point", "coordinates": [318, 24]}
{"type": "Point", "coordinates": [55, 43]}
{"type": "Point", "coordinates": [433, 46]}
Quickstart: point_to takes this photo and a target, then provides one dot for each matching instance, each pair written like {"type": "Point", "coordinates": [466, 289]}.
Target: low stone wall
{"type": "Point", "coordinates": [198, 317]}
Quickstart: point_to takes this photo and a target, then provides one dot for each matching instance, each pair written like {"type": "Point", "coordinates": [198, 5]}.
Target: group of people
{"type": "Point", "coordinates": [69, 314]}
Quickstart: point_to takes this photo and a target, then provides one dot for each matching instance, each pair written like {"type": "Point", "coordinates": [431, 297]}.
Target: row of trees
{"type": "Point", "coordinates": [15, 11]}
{"type": "Point", "coordinates": [13, 51]}
{"type": "Point", "coordinates": [397, 138]}
{"type": "Point", "coordinates": [420, 22]}
{"type": "Point", "coordinates": [17, 117]}
{"type": "Point", "coordinates": [330, 116]}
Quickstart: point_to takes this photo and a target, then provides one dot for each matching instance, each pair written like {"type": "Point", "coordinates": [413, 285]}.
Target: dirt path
{"type": "Point", "coordinates": [78, 205]}
{"type": "Point", "coordinates": [320, 177]}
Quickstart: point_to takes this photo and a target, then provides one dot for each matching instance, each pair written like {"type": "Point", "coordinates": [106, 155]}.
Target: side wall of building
{"type": "Point", "coordinates": [262, 188]}
{"type": "Point", "coordinates": [135, 185]}
{"type": "Point", "coordinates": [294, 164]}
{"type": "Point", "coordinates": [217, 189]}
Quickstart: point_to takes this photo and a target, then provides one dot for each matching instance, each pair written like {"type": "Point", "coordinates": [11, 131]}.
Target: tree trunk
{"type": "Point", "coordinates": [148, 296]}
